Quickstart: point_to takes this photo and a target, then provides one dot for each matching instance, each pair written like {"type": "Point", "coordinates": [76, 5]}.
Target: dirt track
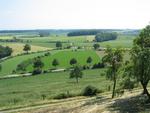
{"type": "Point", "coordinates": [75, 105]}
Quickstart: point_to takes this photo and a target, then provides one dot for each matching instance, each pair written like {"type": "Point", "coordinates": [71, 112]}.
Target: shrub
{"type": "Point", "coordinates": [90, 91]}
{"type": "Point", "coordinates": [36, 72]}
{"type": "Point", "coordinates": [47, 54]}
{"type": "Point", "coordinates": [99, 65]}
{"type": "Point", "coordinates": [63, 95]}
{"type": "Point", "coordinates": [85, 67]}
{"type": "Point", "coordinates": [45, 71]}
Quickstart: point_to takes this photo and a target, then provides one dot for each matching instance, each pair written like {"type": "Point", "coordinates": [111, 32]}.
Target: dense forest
{"type": "Point", "coordinates": [83, 32]}
{"type": "Point", "coordinates": [100, 37]}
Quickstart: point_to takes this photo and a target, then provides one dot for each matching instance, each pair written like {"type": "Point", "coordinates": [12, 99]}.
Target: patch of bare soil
{"type": "Point", "coordinates": [130, 102]}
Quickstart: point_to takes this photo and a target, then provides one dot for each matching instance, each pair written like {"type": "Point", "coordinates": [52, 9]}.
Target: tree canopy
{"type": "Point", "coordinates": [5, 51]}
{"type": "Point", "coordinates": [73, 61]}
{"type": "Point", "coordinates": [59, 44]}
{"type": "Point", "coordinates": [96, 46]}
{"type": "Point", "coordinates": [114, 60]}
{"type": "Point", "coordinates": [105, 36]}
{"type": "Point", "coordinates": [27, 48]}
{"type": "Point", "coordinates": [76, 73]}
{"type": "Point", "coordinates": [55, 62]}
{"type": "Point", "coordinates": [140, 57]}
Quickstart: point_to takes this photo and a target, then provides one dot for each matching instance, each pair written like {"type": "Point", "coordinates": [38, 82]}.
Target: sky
{"type": "Point", "coordinates": [74, 14]}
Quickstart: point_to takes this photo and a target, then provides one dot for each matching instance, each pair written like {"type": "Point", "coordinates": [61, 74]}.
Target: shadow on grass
{"type": "Point", "coordinates": [135, 104]}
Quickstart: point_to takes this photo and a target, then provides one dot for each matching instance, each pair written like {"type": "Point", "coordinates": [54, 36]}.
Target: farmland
{"type": "Point", "coordinates": [29, 90]}
{"type": "Point", "coordinates": [81, 57]}
{"type": "Point", "coordinates": [46, 87]}
{"type": "Point", "coordinates": [18, 48]}
{"type": "Point", "coordinates": [11, 64]}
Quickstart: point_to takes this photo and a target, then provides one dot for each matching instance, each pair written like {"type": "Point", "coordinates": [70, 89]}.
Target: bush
{"type": "Point", "coordinates": [90, 91]}
{"type": "Point", "coordinates": [45, 71]}
{"type": "Point", "coordinates": [99, 65]}
{"type": "Point", "coordinates": [63, 95]}
{"type": "Point", "coordinates": [47, 54]}
{"type": "Point", "coordinates": [36, 72]}
{"type": "Point", "coordinates": [85, 67]}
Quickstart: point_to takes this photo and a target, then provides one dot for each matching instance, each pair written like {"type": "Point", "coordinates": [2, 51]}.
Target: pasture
{"type": "Point", "coordinates": [65, 56]}
{"type": "Point", "coordinates": [11, 64]}
{"type": "Point", "coordinates": [25, 91]}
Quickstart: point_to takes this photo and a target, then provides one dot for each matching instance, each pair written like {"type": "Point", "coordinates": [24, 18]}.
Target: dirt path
{"type": "Point", "coordinates": [75, 105]}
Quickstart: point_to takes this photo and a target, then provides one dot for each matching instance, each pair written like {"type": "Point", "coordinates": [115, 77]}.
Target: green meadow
{"type": "Point", "coordinates": [23, 91]}
{"type": "Point", "coordinates": [65, 56]}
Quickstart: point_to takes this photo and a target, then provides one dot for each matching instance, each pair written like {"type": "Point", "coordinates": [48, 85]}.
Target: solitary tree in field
{"type": "Point", "coordinates": [73, 61]}
{"type": "Point", "coordinates": [76, 73]}
{"type": "Point", "coordinates": [59, 45]}
{"type": "Point", "coordinates": [96, 46]}
{"type": "Point", "coordinates": [89, 60]}
{"type": "Point", "coordinates": [114, 60]}
{"type": "Point", "coordinates": [38, 63]}
{"type": "Point", "coordinates": [140, 57]}
{"type": "Point", "coordinates": [55, 63]}
{"type": "Point", "coordinates": [27, 48]}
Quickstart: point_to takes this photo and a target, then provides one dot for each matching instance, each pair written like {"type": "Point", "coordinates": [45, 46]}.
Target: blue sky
{"type": "Point", "coordinates": [66, 14]}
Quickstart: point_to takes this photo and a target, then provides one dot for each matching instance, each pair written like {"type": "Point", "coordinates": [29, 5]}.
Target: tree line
{"type": "Point", "coordinates": [5, 51]}
{"type": "Point", "coordinates": [103, 36]}
{"type": "Point", "coordinates": [83, 32]}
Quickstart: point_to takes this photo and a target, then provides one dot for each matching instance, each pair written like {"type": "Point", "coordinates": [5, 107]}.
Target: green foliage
{"type": "Point", "coordinates": [44, 33]}
{"type": "Point", "coordinates": [83, 32]}
{"type": "Point", "coordinates": [38, 63]}
{"type": "Point", "coordinates": [90, 91]}
{"type": "Point", "coordinates": [76, 73]}
{"type": "Point", "coordinates": [96, 46]}
{"type": "Point", "coordinates": [27, 48]}
{"type": "Point", "coordinates": [37, 71]}
{"type": "Point", "coordinates": [89, 60]}
{"type": "Point", "coordinates": [103, 36]}
{"type": "Point", "coordinates": [140, 56]}
{"type": "Point", "coordinates": [5, 51]}
{"type": "Point", "coordinates": [114, 59]}
{"type": "Point", "coordinates": [64, 95]}
{"type": "Point", "coordinates": [55, 62]}
{"type": "Point", "coordinates": [23, 65]}
{"type": "Point", "coordinates": [127, 83]}
{"type": "Point", "coordinates": [73, 61]}
{"type": "Point", "coordinates": [58, 44]}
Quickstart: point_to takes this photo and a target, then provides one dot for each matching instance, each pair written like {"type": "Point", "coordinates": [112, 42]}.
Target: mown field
{"type": "Point", "coordinates": [29, 90]}
{"type": "Point", "coordinates": [11, 64]}
{"type": "Point", "coordinates": [65, 56]}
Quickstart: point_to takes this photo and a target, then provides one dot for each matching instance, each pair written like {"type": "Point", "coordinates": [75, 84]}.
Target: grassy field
{"type": "Point", "coordinates": [6, 37]}
{"type": "Point", "coordinates": [49, 42]}
{"type": "Point", "coordinates": [18, 48]}
{"type": "Point", "coordinates": [24, 91]}
{"type": "Point", "coordinates": [10, 64]}
{"type": "Point", "coordinates": [64, 58]}
{"type": "Point", "coordinates": [122, 41]}
{"type": "Point", "coordinates": [29, 90]}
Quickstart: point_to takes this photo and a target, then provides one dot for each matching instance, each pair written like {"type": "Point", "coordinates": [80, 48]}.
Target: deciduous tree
{"type": "Point", "coordinates": [114, 60]}
{"type": "Point", "coordinates": [76, 73]}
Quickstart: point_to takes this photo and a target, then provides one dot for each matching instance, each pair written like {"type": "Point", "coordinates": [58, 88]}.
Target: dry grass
{"type": "Point", "coordinates": [128, 103]}
{"type": "Point", "coordinates": [18, 48]}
